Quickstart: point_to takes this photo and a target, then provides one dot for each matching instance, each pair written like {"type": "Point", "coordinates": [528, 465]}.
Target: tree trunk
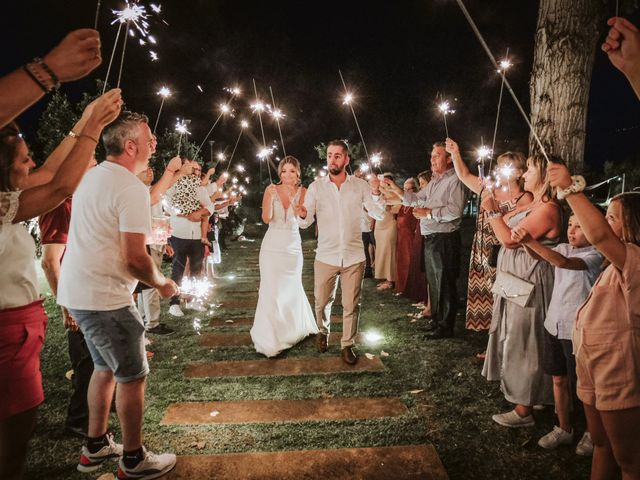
{"type": "Point", "coordinates": [566, 37]}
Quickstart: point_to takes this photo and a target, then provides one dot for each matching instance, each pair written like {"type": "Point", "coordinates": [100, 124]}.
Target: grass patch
{"type": "Point", "coordinates": [453, 412]}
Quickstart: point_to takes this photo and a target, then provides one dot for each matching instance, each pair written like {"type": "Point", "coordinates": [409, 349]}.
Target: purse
{"type": "Point", "coordinates": [512, 288]}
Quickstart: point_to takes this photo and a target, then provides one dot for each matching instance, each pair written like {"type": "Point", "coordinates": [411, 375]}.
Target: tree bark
{"type": "Point", "coordinates": [565, 46]}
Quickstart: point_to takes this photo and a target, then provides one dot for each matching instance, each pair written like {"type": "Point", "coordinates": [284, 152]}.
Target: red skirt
{"type": "Point", "coordinates": [22, 331]}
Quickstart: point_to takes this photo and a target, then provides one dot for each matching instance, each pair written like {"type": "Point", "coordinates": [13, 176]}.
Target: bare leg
{"type": "Point", "coordinates": [603, 464]}
{"type": "Point", "coordinates": [15, 433]}
{"type": "Point", "coordinates": [622, 427]}
{"type": "Point", "coordinates": [562, 398]}
{"type": "Point", "coordinates": [99, 397]}
{"type": "Point", "coordinates": [130, 406]}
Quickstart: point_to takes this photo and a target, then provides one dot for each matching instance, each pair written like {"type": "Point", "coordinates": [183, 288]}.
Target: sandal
{"type": "Point", "coordinates": [385, 286]}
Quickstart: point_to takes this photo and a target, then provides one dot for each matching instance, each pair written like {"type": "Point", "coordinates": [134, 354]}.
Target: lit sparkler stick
{"type": "Point", "coordinates": [181, 128]}
{"type": "Point", "coordinates": [164, 92]}
{"type": "Point", "coordinates": [445, 109]}
{"type": "Point", "coordinates": [277, 115]}
{"type": "Point", "coordinates": [348, 100]}
{"type": "Point", "coordinates": [95, 22]}
{"type": "Point", "coordinates": [376, 160]}
{"type": "Point", "coordinates": [506, 82]}
{"type": "Point", "coordinates": [224, 108]}
{"type": "Point", "coordinates": [504, 66]}
{"type": "Point", "coordinates": [113, 53]}
{"type": "Point", "coordinates": [131, 14]}
{"type": "Point", "coordinates": [483, 152]}
{"type": "Point", "coordinates": [243, 126]}
{"type": "Point", "coordinates": [197, 288]}
{"type": "Point", "coordinates": [259, 108]}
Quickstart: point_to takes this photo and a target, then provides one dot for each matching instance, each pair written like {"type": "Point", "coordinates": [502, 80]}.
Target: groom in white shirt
{"type": "Point", "coordinates": [336, 202]}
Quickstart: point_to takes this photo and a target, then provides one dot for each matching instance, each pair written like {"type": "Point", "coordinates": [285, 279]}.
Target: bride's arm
{"type": "Point", "coordinates": [267, 203]}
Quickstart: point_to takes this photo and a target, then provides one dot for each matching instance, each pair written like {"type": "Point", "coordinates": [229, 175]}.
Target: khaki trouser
{"type": "Point", "coordinates": [325, 285]}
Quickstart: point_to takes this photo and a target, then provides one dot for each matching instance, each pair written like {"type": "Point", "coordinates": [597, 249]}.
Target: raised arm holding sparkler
{"type": "Point", "coordinates": [622, 45]}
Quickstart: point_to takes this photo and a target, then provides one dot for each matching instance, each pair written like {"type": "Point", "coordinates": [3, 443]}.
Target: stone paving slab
{"type": "Point", "coordinates": [240, 339]}
{"type": "Point", "coordinates": [248, 321]}
{"type": "Point", "coordinates": [268, 411]}
{"type": "Point", "coordinates": [329, 363]}
{"type": "Point", "coordinates": [379, 463]}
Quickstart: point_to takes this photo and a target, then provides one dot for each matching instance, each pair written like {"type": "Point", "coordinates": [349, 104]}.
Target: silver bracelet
{"type": "Point", "coordinates": [492, 215]}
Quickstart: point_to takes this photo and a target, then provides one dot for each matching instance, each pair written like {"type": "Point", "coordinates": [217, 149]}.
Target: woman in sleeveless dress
{"type": "Point", "coordinates": [283, 316]}
{"type": "Point", "coordinates": [514, 352]}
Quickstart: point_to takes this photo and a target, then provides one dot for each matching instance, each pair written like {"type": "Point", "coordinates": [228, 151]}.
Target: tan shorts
{"type": "Point", "coordinates": [608, 369]}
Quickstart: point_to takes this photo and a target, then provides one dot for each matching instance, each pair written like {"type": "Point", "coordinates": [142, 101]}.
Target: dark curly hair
{"type": "Point", "coordinates": [10, 138]}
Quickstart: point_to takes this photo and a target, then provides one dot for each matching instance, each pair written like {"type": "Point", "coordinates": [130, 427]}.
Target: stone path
{"type": "Point", "coordinates": [236, 298]}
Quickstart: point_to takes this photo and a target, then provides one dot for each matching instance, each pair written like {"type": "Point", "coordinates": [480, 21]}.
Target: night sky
{"type": "Point", "coordinates": [396, 56]}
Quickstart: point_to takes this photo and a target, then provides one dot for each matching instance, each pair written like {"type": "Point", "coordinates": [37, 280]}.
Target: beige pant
{"type": "Point", "coordinates": [325, 286]}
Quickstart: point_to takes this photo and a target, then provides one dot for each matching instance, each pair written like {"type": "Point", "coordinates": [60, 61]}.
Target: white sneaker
{"type": "Point", "coordinates": [176, 311]}
{"type": "Point", "coordinates": [90, 462]}
{"type": "Point", "coordinates": [555, 438]}
{"type": "Point", "coordinates": [585, 445]}
{"type": "Point", "coordinates": [151, 466]}
{"type": "Point", "coordinates": [513, 420]}
{"type": "Point", "coordinates": [196, 306]}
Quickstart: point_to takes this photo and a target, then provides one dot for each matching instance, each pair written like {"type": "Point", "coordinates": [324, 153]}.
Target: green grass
{"type": "Point", "coordinates": [453, 413]}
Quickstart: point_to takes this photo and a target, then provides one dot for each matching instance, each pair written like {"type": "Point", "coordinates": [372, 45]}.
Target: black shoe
{"type": "Point", "coordinates": [368, 273]}
{"type": "Point", "coordinates": [439, 333]}
{"type": "Point", "coordinates": [430, 326]}
{"type": "Point", "coordinates": [161, 329]}
{"type": "Point", "coordinates": [76, 431]}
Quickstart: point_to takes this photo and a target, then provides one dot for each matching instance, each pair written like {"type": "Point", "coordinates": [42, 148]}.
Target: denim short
{"type": "Point", "coordinates": [115, 339]}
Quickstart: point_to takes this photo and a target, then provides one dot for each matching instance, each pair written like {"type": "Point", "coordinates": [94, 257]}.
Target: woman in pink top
{"type": "Point", "coordinates": [606, 338]}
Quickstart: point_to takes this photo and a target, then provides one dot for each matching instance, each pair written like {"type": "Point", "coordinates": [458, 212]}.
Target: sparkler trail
{"type": "Point", "coordinates": [181, 128]}
{"type": "Point", "coordinates": [482, 41]}
{"type": "Point", "coordinates": [164, 92]}
{"type": "Point", "coordinates": [224, 108]}
{"type": "Point", "coordinates": [243, 124]}
{"type": "Point", "coordinates": [277, 115]}
{"type": "Point", "coordinates": [113, 53]}
{"type": "Point", "coordinates": [445, 109]}
{"type": "Point", "coordinates": [348, 100]}
{"type": "Point", "coordinates": [259, 107]}
{"type": "Point", "coordinates": [504, 64]}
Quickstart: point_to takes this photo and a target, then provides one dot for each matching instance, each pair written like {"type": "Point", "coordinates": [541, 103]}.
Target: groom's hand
{"type": "Point", "coordinates": [301, 211]}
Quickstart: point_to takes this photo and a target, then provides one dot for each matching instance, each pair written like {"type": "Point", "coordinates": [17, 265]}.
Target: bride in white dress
{"type": "Point", "coordinates": [283, 315]}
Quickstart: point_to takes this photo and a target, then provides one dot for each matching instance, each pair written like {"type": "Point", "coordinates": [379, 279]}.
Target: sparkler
{"type": "Point", "coordinates": [164, 92]}
{"type": "Point", "coordinates": [95, 22]}
{"type": "Point", "coordinates": [243, 126]}
{"type": "Point", "coordinates": [376, 160]}
{"type": "Point", "coordinates": [153, 55]}
{"type": "Point", "coordinates": [445, 109]}
{"type": "Point", "coordinates": [482, 41]}
{"type": "Point", "coordinates": [483, 152]}
{"type": "Point", "coordinates": [505, 64]}
{"type": "Point", "coordinates": [181, 128]}
{"type": "Point", "coordinates": [348, 100]}
{"type": "Point", "coordinates": [277, 115]}
{"type": "Point", "coordinates": [259, 107]}
{"type": "Point", "coordinates": [197, 288]}
{"type": "Point", "coordinates": [224, 109]}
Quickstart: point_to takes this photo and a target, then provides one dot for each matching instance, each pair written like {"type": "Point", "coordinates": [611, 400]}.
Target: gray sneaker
{"type": "Point", "coordinates": [585, 445]}
{"type": "Point", "coordinates": [151, 466]}
{"type": "Point", "coordinates": [513, 420]}
{"type": "Point", "coordinates": [555, 438]}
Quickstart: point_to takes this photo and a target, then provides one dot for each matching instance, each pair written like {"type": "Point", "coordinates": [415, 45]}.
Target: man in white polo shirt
{"type": "Point", "coordinates": [105, 258]}
{"type": "Point", "coordinates": [336, 201]}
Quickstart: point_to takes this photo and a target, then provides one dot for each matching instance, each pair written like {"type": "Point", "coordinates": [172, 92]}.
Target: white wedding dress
{"type": "Point", "coordinates": [283, 315]}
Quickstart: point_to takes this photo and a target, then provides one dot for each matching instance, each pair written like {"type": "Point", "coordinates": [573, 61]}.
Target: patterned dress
{"type": "Point", "coordinates": [481, 275]}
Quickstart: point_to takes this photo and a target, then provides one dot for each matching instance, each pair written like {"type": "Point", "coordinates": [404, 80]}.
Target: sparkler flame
{"type": "Point", "coordinates": [135, 14]}
{"type": "Point", "coordinates": [483, 152]}
{"type": "Point", "coordinates": [153, 55]}
{"type": "Point", "coordinates": [348, 98]}
{"type": "Point", "coordinates": [233, 90]}
{"type": "Point", "coordinates": [221, 157]}
{"type": "Point", "coordinates": [199, 288]}
{"type": "Point", "coordinates": [258, 107]}
{"type": "Point", "coordinates": [364, 167]}
{"type": "Point", "coordinates": [181, 127]}
{"type": "Point", "coordinates": [244, 124]}
{"type": "Point", "coordinates": [264, 153]}
{"type": "Point", "coordinates": [277, 114]}
{"type": "Point", "coordinates": [240, 168]}
{"type": "Point", "coordinates": [225, 108]}
{"type": "Point", "coordinates": [505, 65]}
{"type": "Point", "coordinates": [445, 108]}
{"type": "Point", "coordinates": [164, 92]}
{"type": "Point", "coordinates": [156, 8]}
{"type": "Point", "coordinates": [376, 159]}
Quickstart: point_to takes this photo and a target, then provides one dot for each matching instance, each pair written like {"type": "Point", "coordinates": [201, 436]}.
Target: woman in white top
{"type": "Point", "coordinates": [24, 195]}
{"type": "Point", "coordinates": [283, 315]}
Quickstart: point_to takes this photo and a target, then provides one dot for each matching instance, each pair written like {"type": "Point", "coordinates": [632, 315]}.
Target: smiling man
{"type": "Point", "coordinates": [439, 207]}
{"type": "Point", "coordinates": [336, 202]}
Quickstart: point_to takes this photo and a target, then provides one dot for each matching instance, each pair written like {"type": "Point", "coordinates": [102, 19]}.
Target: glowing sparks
{"type": "Point", "coordinates": [504, 65]}
{"type": "Point", "coordinates": [198, 288]}
{"type": "Point", "coordinates": [164, 92]}
{"type": "Point", "coordinates": [277, 114]}
{"type": "Point", "coordinates": [152, 39]}
{"type": "Point", "coordinates": [240, 168]}
{"type": "Point", "coordinates": [221, 157]}
{"type": "Point", "coordinates": [244, 124]}
{"type": "Point", "coordinates": [135, 14]}
{"type": "Point", "coordinates": [483, 152]}
{"type": "Point", "coordinates": [445, 108]}
{"type": "Point", "coordinates": [233, 90]}
{"type": "Point", "coordinates": [348, 98]}
{"type": "Point", "coordinates": [376, 159]}
{"type": "Point", "coordinates": [234, 180]}
{"type": "Point", "coordinates": [225, 108]}
{"type": "Point", "coordinates": [264, 153]}
{"type": "Point", "coordinates": [153, 55]}
{"type": "Point", "coordinates": [506, 171]}
{"type": "Point", "coordinates": [258, 107]}
{"type": "Point", "coordinates": [156, 8]}
{"type": "Point", "coordinates": [247, 180]}
{"type": "Point", "coordinates": [199, 88]}
{"type": "Point", "coordinates": [364, 167]}
{"type": "Point", "coordinates": [373, 337]}
{"type": "Point", "coordinates": [181, 127]}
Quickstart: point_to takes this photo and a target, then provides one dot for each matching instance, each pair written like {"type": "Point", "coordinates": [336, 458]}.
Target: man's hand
{"type": "Point", "coordinates": [520, 235]}
{"type": "Point", "coordinates": [421, 212]}
{"type": "Point", "coordinates": [106, 108]}
{"type": "Point", "coordinates": [186, 168]}
{"type": "Point", "coordinates": [300, 211]}
{"type": "Point", "coordinates": [622, 45]}
{"type": "Point", "coordinates": [558, 176]}
{"type": "Point", "coordinates": [174, 165]}
{"type": "Point", "coordinates": [169, 250]}
{"type": "Point", "coordinates": [76, 56]}
{"type": "Point", "coordinates": [68, 321]}
{"type": "Point", "coordinates": [168, 288]}
{"type": "Point", "coordinates": [451, 147]}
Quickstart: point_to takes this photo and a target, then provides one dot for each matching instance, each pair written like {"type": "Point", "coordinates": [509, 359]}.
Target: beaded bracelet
{"type": "Point", "coordinates": [35, 78]}
{"type": "Point", "coordinates": [54, 78]}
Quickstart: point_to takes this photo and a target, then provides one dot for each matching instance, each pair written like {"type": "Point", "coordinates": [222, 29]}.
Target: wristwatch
{"type": "Point", "coordinates": [578, 184]}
